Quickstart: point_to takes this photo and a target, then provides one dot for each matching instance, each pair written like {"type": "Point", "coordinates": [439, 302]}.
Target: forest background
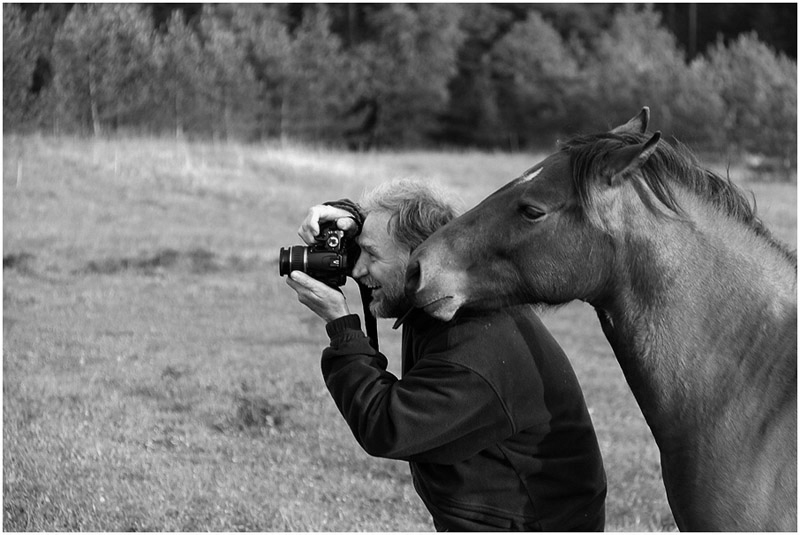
{"type": "Point", "coordinates": [719, 77]}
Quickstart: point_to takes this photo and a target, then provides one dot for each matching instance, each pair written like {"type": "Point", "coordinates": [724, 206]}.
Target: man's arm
{"type": "Point", "coordinates": [439, 412]}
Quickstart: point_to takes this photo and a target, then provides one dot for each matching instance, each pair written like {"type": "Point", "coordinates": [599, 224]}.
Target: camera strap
{"type": "Point", "coordinates": [370, 322]}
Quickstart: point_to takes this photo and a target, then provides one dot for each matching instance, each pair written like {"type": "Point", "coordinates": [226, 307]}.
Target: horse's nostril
{"type": "Point", "coordinates": [412, 277]}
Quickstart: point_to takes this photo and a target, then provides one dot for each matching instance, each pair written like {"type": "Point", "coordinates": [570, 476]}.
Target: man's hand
{"type": "Point", "coordinates": [324, 301]}
{"type": "Point", "coordinates": [322, 213]}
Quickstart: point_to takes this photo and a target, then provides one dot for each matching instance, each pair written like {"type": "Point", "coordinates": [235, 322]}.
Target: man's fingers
{"type": "Point", "coordinates": [323, 300]}
{"type": "Point", "coordinates": [306, 293]}
{"type": "Point", "coordinates": [346, 224]}
{"type": "Point", "coordinates": [296, 286]}
{"type": "Point", "coordinates": [321, 213]}
{"type": "Point", "coordinates": [309, 228]}
{"type": "Point", "coordinates": [310, 284]}
{"type": "Point", "coordinates": [300, 281]}
{"type": "Point", "coordinates": [299, 278]}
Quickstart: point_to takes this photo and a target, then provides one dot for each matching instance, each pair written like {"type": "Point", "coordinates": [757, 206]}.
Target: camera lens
{"type": "Point", "coordinates": [292, 259]}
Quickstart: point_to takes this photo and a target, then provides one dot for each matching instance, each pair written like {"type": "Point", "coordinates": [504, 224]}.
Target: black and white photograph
{"type": "Point", "coordinates": [399, 267]}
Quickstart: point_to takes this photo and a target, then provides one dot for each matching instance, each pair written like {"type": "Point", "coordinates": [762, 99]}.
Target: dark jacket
{"type": "Point", "coordinates": [489, 414]}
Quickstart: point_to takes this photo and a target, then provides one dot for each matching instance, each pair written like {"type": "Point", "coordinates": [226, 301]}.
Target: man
{"type": "Point", "coordinates": [488, 412]}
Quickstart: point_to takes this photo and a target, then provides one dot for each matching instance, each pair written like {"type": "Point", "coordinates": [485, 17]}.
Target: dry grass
{"type": "Point", "coordinates": [159, 375]}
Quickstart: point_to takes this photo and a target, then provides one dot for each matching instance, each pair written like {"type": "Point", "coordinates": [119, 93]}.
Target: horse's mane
{"type": "Point", "coordinates": [668, 163]}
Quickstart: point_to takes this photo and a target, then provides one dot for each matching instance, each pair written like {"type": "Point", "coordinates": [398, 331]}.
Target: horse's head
{"type": "Point", "coordinates": [529, 242]}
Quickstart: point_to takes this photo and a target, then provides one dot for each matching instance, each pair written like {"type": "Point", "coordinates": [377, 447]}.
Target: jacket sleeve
{"type": "Point", "coordinates": [353, 208]}
{"type": "Point", "coordinates": [439, 412]}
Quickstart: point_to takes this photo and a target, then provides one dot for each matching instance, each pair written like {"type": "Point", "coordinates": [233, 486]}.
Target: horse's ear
{"type": "Point", "coordinates": [637, 125]}
{"type": "Point", "coordinates": [623, 162]}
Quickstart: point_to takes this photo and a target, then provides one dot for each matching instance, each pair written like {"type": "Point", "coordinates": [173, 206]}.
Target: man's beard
{"type": "Point", "coordinates": [391, 301]}
{"type": "Point", "coordinates": [390, 305]}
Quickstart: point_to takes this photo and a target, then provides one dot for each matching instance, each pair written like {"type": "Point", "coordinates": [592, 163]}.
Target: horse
{"type": "Point", "coordinates": [696, 298]}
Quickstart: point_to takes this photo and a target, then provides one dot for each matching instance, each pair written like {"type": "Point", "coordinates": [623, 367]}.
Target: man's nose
{"type": "Point", "coordinates": [359, 270]}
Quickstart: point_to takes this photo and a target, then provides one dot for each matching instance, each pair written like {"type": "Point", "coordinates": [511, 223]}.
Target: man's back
{"type": "Point", "coordinates": [489, 414]}
{"type": "Point", "coordinates": [540, 468]}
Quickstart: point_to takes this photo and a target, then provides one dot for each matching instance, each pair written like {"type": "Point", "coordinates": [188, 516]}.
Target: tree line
{"type": "Point", "coordinates": [506, 76]}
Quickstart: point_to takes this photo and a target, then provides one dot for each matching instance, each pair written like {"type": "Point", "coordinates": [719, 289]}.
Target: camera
{"type": "Point", "coordinates": [329, 260]}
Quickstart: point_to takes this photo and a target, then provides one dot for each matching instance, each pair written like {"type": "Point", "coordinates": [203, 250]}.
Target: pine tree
{"type": "Point", "coordinates": [536, 78]}
{"type": "Point", "coordinates": [104, 66]}
{"type": "Point", "coordinates": [313, 91]}
{"type": "Point", "coordinates": [229, 88]}
{"type": "Point", "coordinates": [638, 62]}
{"type": "Point", "coordinates": [411, 64]}
{"type": "Point", "coordinates": [759, 89]}
{"type": "Point", "coordinates": [262, 34]}
{"type": "Point", "coordinates": [179, 58]}
{"type": "Point", "coordinates": [25, 52]}
{"type": "Point", "coordinates": [472, 117]}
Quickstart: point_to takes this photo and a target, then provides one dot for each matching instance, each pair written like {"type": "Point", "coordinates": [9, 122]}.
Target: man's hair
{"type": "Point", "coordinates": [416, 209]}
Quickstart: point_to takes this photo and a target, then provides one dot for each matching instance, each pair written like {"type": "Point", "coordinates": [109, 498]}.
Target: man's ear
{"type": "Point", "coordinates": [637, 125]}
{"type": "Point", "coordinates": [625, 161]}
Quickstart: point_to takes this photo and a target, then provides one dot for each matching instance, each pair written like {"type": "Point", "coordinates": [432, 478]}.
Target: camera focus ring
{"type": "Point", "coordinates": [298, 258]}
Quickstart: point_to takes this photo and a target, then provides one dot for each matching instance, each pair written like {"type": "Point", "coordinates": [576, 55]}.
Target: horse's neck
{"type": "Point", "coordinates": [698, 314]}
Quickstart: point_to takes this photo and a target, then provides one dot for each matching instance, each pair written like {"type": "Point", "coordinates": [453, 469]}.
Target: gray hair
{"type": "Point", "coordinates": [416, 209]}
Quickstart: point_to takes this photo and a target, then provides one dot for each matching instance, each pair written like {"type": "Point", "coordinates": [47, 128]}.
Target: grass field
{"type": "Point", "coordinates": [159, 375]}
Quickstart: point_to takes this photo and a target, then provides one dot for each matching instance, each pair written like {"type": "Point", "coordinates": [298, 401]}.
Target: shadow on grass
{"type": "Point", "coordinates": [197, 260]}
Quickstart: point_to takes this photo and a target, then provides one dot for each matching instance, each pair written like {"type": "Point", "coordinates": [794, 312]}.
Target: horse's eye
{"type": "Point", "coordinates": [532, 213]}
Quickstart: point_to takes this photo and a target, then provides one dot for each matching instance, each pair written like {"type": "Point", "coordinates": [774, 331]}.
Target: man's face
{"type": "Point", "coordinates": [382, 267]}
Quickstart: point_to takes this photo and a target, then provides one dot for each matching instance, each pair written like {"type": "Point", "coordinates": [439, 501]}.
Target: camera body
{"type": "Point", "coordinates": [327, 260]}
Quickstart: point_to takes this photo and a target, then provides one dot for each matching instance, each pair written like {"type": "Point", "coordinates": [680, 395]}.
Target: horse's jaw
{"type": "Point", "coordinates": [442, 308]}
{"type": "Point", "coordinates": [433, 285]}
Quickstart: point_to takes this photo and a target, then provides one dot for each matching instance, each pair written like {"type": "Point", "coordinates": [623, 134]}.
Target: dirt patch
{"type": "Point", "coordinates": [19, 261]}
{"type": "Point", "coordinates": [255, 414]}
{"type": "Point", "coordinates": [197, 260]}
{"type": "Point", "coordinates": [258, 412]}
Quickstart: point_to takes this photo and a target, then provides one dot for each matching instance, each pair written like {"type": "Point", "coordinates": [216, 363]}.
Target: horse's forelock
{"type": "Point", "coordinates": [588, 157]}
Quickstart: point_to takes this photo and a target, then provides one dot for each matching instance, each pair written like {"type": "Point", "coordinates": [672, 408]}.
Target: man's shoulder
{"type": "Point", "coordinates": [498, 322]}
{"type": "Point", "coordinates": [508, 330]}
{"type": "Point", "coordinates": [472, 324]}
